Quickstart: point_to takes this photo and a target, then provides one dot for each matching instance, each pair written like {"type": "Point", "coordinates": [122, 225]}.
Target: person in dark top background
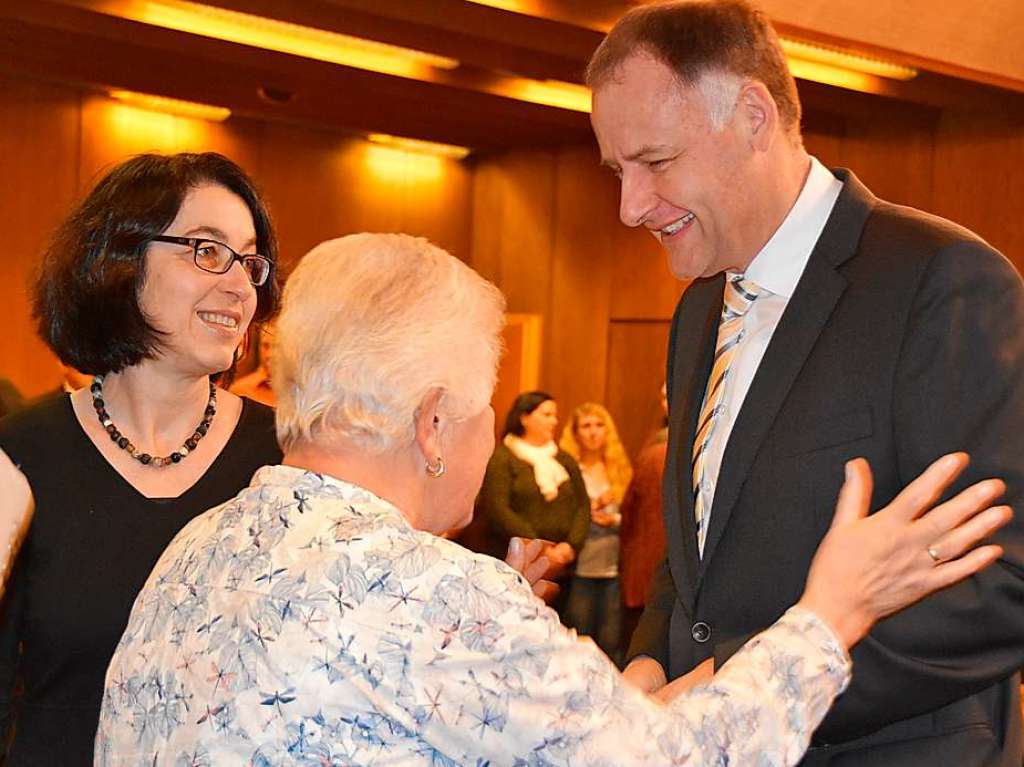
{"type": "Point", "coordinates": [532, 489]}
{"type": "Point", "coordinates": [11, 400]}
{"type": "Point", "coordinates": [149, 286]}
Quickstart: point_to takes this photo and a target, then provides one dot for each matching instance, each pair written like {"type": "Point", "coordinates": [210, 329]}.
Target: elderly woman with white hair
{"type": "Point", "coordinates": [318, 618]}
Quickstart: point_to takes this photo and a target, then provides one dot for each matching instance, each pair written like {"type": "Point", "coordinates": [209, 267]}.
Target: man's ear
{"type": "Point", "coordinates": [426, 423]}
{"type": "Point", "coordinates": [758, 115]}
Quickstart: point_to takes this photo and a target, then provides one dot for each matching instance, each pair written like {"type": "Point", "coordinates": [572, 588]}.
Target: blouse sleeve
{"type": "Point", "coordinates": [545, 697]}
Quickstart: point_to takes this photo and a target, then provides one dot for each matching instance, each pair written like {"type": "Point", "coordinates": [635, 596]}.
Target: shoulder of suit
{"type": "Point", "coordinates": [899, 230]}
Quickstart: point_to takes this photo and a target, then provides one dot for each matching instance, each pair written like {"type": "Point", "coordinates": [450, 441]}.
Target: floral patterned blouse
{"type": "Point", "coordinates": [306, 623]}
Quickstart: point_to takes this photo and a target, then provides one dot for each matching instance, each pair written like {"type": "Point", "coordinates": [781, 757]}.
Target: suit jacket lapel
{"type": "Point", "coordinates": [696, 329]}
{"type": "Point", "coordinates": [806, 314]}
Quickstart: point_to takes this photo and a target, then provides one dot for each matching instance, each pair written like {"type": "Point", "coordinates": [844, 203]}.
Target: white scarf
{"type": "Point", "coordinates": [547, 472]}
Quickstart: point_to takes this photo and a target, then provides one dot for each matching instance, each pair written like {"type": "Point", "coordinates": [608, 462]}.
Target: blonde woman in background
{"type": "Point", "coordinates": [595, 603]}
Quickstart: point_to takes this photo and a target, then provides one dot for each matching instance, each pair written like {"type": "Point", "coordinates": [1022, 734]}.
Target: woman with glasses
{"type": "Point", "coordinates": [150, 286]}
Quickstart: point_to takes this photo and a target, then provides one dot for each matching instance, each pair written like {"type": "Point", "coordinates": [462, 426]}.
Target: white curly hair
{"type": "Point", "coordinates": [369, 324]}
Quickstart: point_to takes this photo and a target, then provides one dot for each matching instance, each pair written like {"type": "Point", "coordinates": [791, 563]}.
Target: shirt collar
{"type": "Point", "coordinates": [780, 263]}
{"type": "Point", "coordinates": [313, 484]}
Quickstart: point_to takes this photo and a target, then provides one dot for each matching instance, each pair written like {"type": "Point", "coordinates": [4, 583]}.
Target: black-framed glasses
{"type": "Point", "coordinates": [216, 257]}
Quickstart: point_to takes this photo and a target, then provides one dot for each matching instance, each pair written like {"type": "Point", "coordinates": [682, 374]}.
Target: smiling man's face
{"type": "Point", "coordinates": [692, 185]}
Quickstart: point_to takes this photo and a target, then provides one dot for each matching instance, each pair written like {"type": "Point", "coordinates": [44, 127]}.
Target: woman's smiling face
{"type": "Point", "coordinates": [202, 316]}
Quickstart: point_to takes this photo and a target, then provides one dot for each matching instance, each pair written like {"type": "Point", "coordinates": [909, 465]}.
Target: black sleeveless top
{"type": "Point", "coordinates": [91, 545]}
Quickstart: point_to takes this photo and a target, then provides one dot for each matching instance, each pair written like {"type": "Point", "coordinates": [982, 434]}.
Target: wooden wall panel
{"type": "Point", "coordinates": [891, 150]}
{"type": "Point", "coordinates": [519, 369]}
{"type": "Point", "coordinates": [39, 138]}
{"type": "Point", "coordinates": [514, 221]}
{"type": "Point", "coordinates": [636, 371]}
{"type": "Point", "coordinates": [576, 355]}
{"type": "Point", "coordinates": [823, 135]}
{"type": "Point", "coordinates": [960, 164]}
{"type": "Point", "coordinates": [323, 185]}
{"type": "Point", "coordinates": [892, 155]}
{"type": "Point", "coordinates": [978, 178]}
{"type": "Point", "coordinates": [486, 236]}
{"type": "Point", "coordinates": [643, 287]}
{"type": "Point", "coordinates": [113, 131]}
{"type": "Point", "coordinates": [313, 186]}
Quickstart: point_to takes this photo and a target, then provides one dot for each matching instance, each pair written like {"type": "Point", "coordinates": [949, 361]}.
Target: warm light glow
{"type": "Point", "coordinates": [281, 36]}
{"type": "Point", "coordinates": [172, 106]}
{"type": "Point", "coordinates": [542, 9]}
{"type": "Point", "coordinates": [400, 166]}
{"type": "Point", "coordinates": [145, 130]}
{"type": "Point", "coordinates": [505, 5]}
{"type": "Point", "coordinates": [422, 147]}
{"type": "Point", "coordinates": [808, 61]}
{"type": "Point", "coordinates": [552, 93]}
{"type": "Point", "coordinates": [836, 76]}
{"type": "Point", "coordinates": [797, 50]}
{"type": "Point", "coordinates": [516, 6]}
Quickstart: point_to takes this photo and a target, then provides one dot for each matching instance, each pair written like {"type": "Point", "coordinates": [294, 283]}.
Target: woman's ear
{"type": "Point", "coordinates": [427, 423]}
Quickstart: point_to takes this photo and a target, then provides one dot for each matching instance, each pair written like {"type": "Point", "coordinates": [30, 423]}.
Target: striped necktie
{"type": "Point", "coordinates": [739, 295]}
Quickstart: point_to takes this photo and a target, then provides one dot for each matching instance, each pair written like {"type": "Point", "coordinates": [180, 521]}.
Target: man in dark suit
{"type": "Point", "coordinates": [822, 324]}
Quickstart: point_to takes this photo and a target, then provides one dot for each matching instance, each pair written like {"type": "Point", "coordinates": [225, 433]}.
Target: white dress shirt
{"type": "Point", "coordinates": [777, 268]}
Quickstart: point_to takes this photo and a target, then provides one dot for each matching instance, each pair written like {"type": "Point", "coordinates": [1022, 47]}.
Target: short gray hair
{"type": "Point", "coordinates": [369, 324]}
{"type": "Point", "coordinates": [695, 37]}
{"type": "Point", "coordinates": [720, 91]}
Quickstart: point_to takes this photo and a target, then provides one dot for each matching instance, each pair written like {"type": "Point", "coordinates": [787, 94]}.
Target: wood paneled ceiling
{"type": "Point", "coordinates": [82, 42]}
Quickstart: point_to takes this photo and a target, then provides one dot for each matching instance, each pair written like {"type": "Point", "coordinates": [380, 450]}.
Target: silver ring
{"type": "Point", "coordinates": [933, 552]}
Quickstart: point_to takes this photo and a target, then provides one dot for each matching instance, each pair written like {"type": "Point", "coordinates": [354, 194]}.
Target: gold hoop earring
{"type": "Point", "coordinates": [435, 471]}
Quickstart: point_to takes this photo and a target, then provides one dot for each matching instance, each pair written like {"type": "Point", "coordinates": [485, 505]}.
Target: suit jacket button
{"type": "Point", "coordinates": [701, 632]}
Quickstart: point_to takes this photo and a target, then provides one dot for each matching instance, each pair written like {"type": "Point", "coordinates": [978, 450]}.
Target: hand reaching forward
{"type": "Point", "coordinates": [868, 567]}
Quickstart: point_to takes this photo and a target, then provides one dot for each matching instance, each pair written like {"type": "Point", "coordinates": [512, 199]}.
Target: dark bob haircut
{"type": "Point", "coordinates": [524, 404]}
{"type": "Point", "coordinates": [85, 299]}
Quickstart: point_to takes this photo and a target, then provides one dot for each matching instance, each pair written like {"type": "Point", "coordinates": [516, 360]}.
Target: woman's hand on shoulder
{"type": "Point", "coordinates": [868, 567]}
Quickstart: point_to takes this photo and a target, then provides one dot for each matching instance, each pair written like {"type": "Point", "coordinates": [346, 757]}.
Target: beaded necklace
{"type": "Point", "coordinates": [145, 458]}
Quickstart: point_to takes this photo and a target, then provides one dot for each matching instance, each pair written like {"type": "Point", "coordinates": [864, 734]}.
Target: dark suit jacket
{"type": "Point", "coordinates": [903, 340]}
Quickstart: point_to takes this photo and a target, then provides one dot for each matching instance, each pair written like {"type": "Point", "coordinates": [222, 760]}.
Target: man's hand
{"type": "Point", "coordinates": [700, 675]}
{"type": "Point", "coordinates": [868, 567]}
{"type": "Point", "coordinates": [646, 674]}
{"type": "Point", "coordinates": [539, 561]}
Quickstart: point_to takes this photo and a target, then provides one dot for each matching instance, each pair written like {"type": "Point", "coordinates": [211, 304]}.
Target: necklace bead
{"type": "Point", "coordinates": [96, 389]}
